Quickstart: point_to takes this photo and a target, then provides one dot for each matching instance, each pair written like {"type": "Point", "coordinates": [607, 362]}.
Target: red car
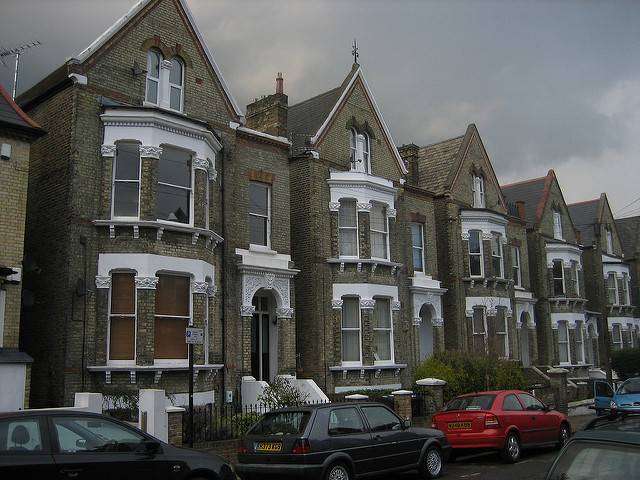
{"type": "Point", "coordinates": [506, 420]}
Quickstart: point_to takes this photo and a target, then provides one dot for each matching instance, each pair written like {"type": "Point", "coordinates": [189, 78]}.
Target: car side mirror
{"type": "Point", "coordinates": [406, 423]}
{"type": "Point", "coordinates": [151, 447]}
{"type": "Point", "coordinates": [81, 443]}
{"type": "Point", "coordinates": [546, 408]}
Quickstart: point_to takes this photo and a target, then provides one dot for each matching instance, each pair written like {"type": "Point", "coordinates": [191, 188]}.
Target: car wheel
{"type": "Point", "coordinates": [511, 450]}
{"type": "Point", "coordinates": [564, 435]}
{"type": "Point", "coordinates": [338, 471]}
{"type": "Point", "coordinates": [432, 463]}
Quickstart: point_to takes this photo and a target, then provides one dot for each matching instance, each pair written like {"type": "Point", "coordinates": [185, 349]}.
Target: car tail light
{"type": "Point", "coordinates": [491, 421]}
{"type": "Point", "coordinates": [242, 450]}
{"type": "Point", "coordinates": [301, 446]}
{"type": "Point", "coordinates": [433, 425]}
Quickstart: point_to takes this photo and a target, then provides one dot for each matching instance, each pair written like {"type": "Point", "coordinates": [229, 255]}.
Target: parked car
{"type": "Point", "coordinates": [626, 397]}
{"type": "Point", "coordinates": [608, 448]}
{"type": "Point", "coordinates": [507, 421]}
{"type": "Point", "coordinates": [339, 441]}
{"type": "Point", "coordinates": [75, 445]}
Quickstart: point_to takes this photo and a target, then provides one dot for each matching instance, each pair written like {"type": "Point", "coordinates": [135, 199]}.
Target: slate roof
{"type": "Point", "coordinates": [629, 231]}
{"type": "Point", "coordinates": [440, 159]}
{"type": "Point", "coordinates": [11, 115]}
{"type": "Point", "coordinates": [305, 118]}
{"type": "Point", "coordinates": [584, 215]}
{"type": "Point", "coordinates": [530, 192]}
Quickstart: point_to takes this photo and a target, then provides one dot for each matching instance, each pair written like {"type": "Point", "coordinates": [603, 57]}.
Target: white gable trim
{"type": "Point", "coordinates": [376, 109]}
{"type": "Point", "coordinates": [122, 21]}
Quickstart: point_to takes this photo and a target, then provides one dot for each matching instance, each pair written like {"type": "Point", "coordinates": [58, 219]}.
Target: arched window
{"type": "Point", "coordinates": [354, 149]}
{"type": "Point", "coordinates": [360, 152]}
{"type": "Point", "coordinates": [557, 225]}
{"type": "Point", "coordinates": [154, 59]}
{"type": "Point", "coordinates": [176, 83]}
{"type": "Point", "coordinates": [478, 191]}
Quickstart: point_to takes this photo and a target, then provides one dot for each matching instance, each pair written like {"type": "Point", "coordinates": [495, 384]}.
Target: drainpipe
{"type": "Point", "coordinates": [223, 280]}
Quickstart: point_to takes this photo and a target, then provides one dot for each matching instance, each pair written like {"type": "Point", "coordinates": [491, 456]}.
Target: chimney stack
{"type": "Point", "coordinates": [270, 113]}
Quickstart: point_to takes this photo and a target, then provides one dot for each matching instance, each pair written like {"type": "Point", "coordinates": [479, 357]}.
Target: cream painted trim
{"type": "Point", "coordinates": [147, 265]}
{"type": "Point", "coordinates": [364, 290]}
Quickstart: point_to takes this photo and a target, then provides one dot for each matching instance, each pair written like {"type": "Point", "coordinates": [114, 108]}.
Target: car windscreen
{"type": "Point", "coordinates": [471, 402]}
{"type": "Point", "coordinates": [587, 460]}
{"type": "Point", "coordinates": [630, 387]}
{"type": "Point", "coordinates": [281, 423]}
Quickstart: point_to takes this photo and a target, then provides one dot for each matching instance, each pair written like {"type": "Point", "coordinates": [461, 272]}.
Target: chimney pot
{"type": "Point", "coordinates": [279, 84]}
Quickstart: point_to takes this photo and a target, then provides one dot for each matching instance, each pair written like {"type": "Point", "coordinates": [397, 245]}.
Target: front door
{"type": "Point", "coordinates": [524, 345]}
{"type": "Point", "coordinates": [260, 339]}
{"type": "Point", "coordinates": [426, 333]}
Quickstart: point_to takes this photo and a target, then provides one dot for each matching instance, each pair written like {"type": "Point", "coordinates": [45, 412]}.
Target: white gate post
{"type": "Point", "coordinates": [153, 417]}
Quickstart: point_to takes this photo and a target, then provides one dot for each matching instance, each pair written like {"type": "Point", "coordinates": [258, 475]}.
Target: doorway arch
{"type": "Point", "coordinates": [264, 336]}
{"type": "Point", "coordinates": [426, 338]}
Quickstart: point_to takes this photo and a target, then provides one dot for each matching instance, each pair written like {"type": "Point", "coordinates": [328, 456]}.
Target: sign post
{"type": "Point", "coordinates": [192, 336]}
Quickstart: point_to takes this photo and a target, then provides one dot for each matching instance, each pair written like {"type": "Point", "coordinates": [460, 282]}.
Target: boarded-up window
{"type": "Point", "coordinates": [172, 316]}
{"type": "Point", "coordinates": [122, 326]}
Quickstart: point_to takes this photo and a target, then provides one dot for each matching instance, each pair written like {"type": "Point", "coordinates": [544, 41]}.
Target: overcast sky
{"type": "Point", "coordinates": [550, 84]}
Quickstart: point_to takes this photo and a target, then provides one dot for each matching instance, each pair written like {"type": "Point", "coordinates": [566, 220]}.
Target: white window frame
{"type": "Point", "coordinates": [180, 87]}
{"type": "Point", "coordinates": [384, 232]}
{"type": "Point", "coordinates": [613, 290]}
{"type": "Point", "coordinates": [616, 345]}
{"type": "Point", "coordinates": [356, 228]}
{"type": "Point", "coordinates": [515, 254]}
{"type": "Point", "coordinates": [609, 242]}
{"type": "Point", "coordinates": [176, 361]}
{"type": "Point", "coordinates": [626, 289]}
{"type": "Point", "coordinates": [268, 216]}
{"type": "Point", "coordinates": [557, 226]}
{"type": "Point", "coordinates": [575, 277]}
{"type": "Point", "coordinates": [418, 247]}
{"type": "Point", "coordinates": [135, 324]}
{"type": "Point", "coordinates": [114, 180]}
{"type": "Point", "coordinates": [473, 327]}
{"type": "Point", "coordinates": [351, 329]}
{"type": "Point", "coordinates": [478, 189]}
{"type": "Point", "coordinates": [504, 333]}
{"type": "Point", "coordinates": [565, 326]}
{"type": "Point", "coordinates": [631, 332]}
{"type": "Point", "coordinates": [190, 188]}
{"type": "Point", "coordinates": [496, 237]}
{"type": "Point", "coordinates": [360, 152]}
{"type": "Point", "coordinates": [580, 338]}
{"type": "Point", "coordinates": [391, 361]}
{"type": "Point", "coordinates": [157, 79]}
{"type": "Point", "coordinates": [564, 282]}
{"type": "Point", "coordinates": [480, 254]}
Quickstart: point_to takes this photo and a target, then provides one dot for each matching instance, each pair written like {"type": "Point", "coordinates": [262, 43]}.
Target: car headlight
{"type": "Point", "coordinates": [613, 404]}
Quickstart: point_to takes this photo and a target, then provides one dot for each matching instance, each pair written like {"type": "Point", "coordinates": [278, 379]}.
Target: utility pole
{"type": "Point", "coordinates": [16, 52]}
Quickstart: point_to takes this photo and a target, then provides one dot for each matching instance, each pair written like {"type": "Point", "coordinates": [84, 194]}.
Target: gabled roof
{"type": "Point", "coordinates": [533, 193]}
{"type": "Point", "coordinates": [629, 231]}
{"type": "Point", "coordinates": [11, 115]}
{"type": "Point", "coordinates": [441, 158]}
{"type": "Point", "coordinates": [309, 120]}
{"type": "Point", "coordinates": [584, 216]}
{"type": "Point", "coordinates": [119, 24]}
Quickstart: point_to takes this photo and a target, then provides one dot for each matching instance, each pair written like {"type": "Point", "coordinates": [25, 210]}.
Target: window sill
{"type": "Point", "coordinates": [211, 369]}
{"type": "Point", "coordinates": [377, 369]}
{"type": "Point", "coordinates": [254, 247]}
{"type": "Point", "coordinates": [212, 238]}
{"type": "Point", "coordinates": [486, 281]}
{"type": "Point", "coordinates": [359, 262]}
{"type": "Point", "coordinates": [160, 107]}
{"type": "Point", "coordinates": [569, 301]}
{"type": "Point", "coordinates": [621, 309]}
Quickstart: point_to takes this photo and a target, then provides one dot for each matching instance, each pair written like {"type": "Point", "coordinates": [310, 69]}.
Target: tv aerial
{"type": "Point", "coordinates": [16, 52]}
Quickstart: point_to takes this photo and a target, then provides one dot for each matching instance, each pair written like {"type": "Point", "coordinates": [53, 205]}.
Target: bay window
{"type": "Point", "coordinates": [580, 342]}
{"type": "Point", "coordinates": [174, 195]}
{"type": "Point", "coordinates": [563, 342]}
{"type": "Point", "coordinates": [616, 336]}
{"type": "Point", "coordinates": [382, 331]}
{"type": "Point", "coordinates": [515, 259]}
{"type": "Point", "coordinates": [172, 316]}
{"type": "Point", "coordinates": [625, 289]}
{"type": "Point", "coordinates": [502, 333]}
{"type": "Point", "coordinates": [126, 181]}
{"type": "Point", "coordinates": [479, 329]}
{"type": "Point", "coordinates": [476, 267]}
{"type": "Point", "coordinates": [612, 288]}
{"type": "Point", "coordinates": [575, 278]}
{"type": "Point", "coordinates": [631, 334]}
{"type": "Point", "coordinates": [558, 278]}
{"type": "Point", "coordinates": [259, 214]}
{"type": "Point", "coordinates": [496, 255]}
{"type": "Point", "coordinates": [351, 330]}
{"type": "Point", "coordinates": [379, 231]}
{"type": "Point", "coordinates": [122, 317]}
{"type": "Point", "coordinates": [417, 246]}
{"type": "Point", "coordinates": [347, 228]}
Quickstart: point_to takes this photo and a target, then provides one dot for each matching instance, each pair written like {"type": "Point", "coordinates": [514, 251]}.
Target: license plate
{"type": "Point", "coordinates": [458, 425]}
{"type": "Point", "coordinates": [269, 447]}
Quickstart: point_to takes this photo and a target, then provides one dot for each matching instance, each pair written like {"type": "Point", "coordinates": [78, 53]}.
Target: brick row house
{"type": "Point", "coordinates": [629, 233]}
{"type": "Point", "coordinates": [300, 238]}
{"type": "Point", "coordinates": [17, 132]}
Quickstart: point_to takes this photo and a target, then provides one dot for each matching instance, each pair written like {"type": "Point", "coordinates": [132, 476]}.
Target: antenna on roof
{"type": "Point", "coordinates": [17, 51]}
{"type": "Point", "coordinates": [354, 51]}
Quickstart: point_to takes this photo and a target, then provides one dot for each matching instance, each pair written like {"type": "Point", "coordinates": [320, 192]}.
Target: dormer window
{"type": "Point", "coordinates": [360, 148]}
{"type": "Point", "coordinates": [557, 225]}
{"type": "Point", "coordinates": [165, 81]}
{"type": "Point", "coordinates": [478, 191]}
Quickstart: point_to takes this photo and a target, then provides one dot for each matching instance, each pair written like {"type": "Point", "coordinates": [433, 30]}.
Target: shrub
{"type": "Point", "coordinates": [626, 362]}
{"type": "Point", "coordinates": [280, 393]}
{"type": "Point", "coordinates": [467, 372]}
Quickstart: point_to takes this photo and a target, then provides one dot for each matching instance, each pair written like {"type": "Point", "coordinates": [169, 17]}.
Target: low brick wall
{"type": "Point", "coordinates": [225, 448]}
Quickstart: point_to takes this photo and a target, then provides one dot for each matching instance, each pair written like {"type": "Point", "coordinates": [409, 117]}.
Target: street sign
{"type": "Point", "coordinates": [194, 336]}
